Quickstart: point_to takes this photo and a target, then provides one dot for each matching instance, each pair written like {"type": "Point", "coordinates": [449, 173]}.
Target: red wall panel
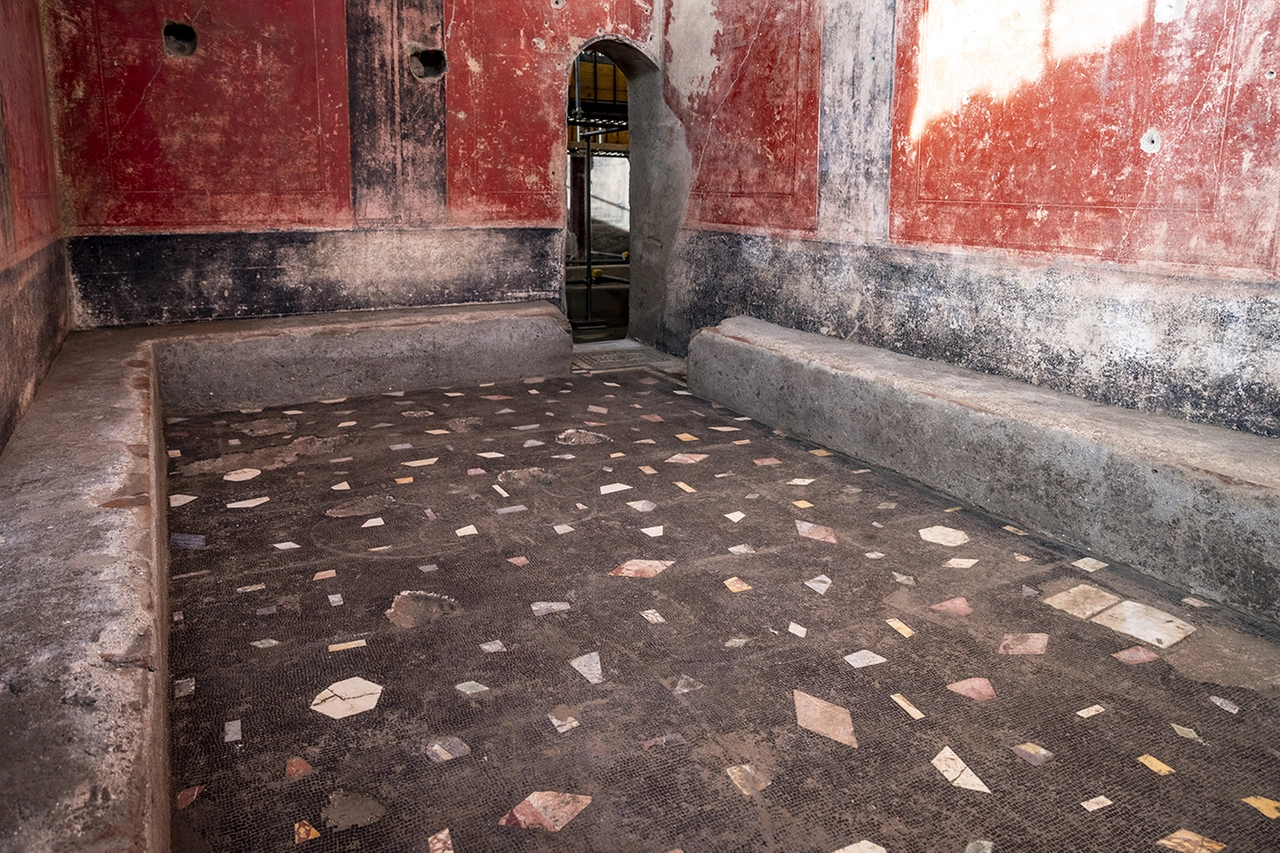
{"type": "Point", "coordinates": [505, 97]}
{"type": "Point", "coordinates": [1057, 162]}
{"type": "Point", "coordinates": [250, 131]}
{"type": "Point", "coordinates": [753, 132]}
{"type": "Point", "coordinates": [30, 201]}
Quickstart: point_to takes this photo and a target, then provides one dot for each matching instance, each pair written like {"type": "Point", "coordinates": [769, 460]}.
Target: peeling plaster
{"type": "Point", "coordinates": [691, 49]}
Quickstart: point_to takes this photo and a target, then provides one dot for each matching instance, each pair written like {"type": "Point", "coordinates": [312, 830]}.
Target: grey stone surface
{"type": "Point", "coordinates": [1193, 505]}
{"type": "Point", "coordinates": [83, 556]}
{"type": "Point", "coordinates": [34, 317]}
{"type": "Point", "coordinates": [242, 364]}
{"type": "Point", "coordinates": [1155, 340]}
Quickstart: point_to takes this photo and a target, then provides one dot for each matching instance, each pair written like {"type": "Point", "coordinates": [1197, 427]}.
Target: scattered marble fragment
{"type": "Point", "coordinates": [518, 561]}
{"type": "Point", "coordinates": [491, 454]}
{"type": "Point", "coordinates": [1091, 711]}
{"type": "Point", "coordinates": [1225, 704]}
{"type": "Point", "coordinates": [815, 531]}
{"type": "Point", "coordinates": [350, 644]}
{"type": "Point", "coordinates": [296, 767]}
{"type": "Point", "coordinates": [471, 688]}
{"type": "Point", "coordinates": [653, 617]}
{"type": "Point", "coordinates": [545, 810]}
{"type": "Point", "coordinates": [901, 627]}
{"type": "Point", "coordinates": [863, 846]}
{"type": "Point", "coordinates": [563, 724]}
{"type": "Point", "coordinates": [177, 614]}
{"type": "Point", "coordinates": [958, 606]}
{"type": "Point", "coordinates": [187, 541]}
{"type": "Point", "coordinates": [673, 739]}
{"type": "Point", "coordinates": [743, 441]}
{"type": "Point", "coordinates": [686, 684]}
{"type": "Point", "coordinates": [686, 458]}
{"type": "Point", "coordinates": [184, 687]}
{"type": "Point", "coordinates": [874, 555]}
{"type": "Point", "coordinates": [652, 531]}
{"type": "Point", "coordinates": [256, 587]}
{"type": "Point", "coordinates": [589, 666]}
{"type": "Point", "coordinates": [905, 704]}
{"type": "Point", "coordinates": [562, 529]}
{"type": "Point", "coordinates": [642, 506]}
{"type": "Point", "coordinates": [324, 575]}
{"type": "Point", "coordinates": [726, 429]}
{"type": "Point", "coordinates": [1186, 841]}
{"type": "Point", "coordinates": [1083, 601]}
{"type": "Point", "coordinates": [1032, 753]}
{"type": "Point", "coordinates": [767, 461]}
{"type": "Point", "coordinates": [1014, 530]}
{"type": "Point", "coordinates": [240, 475]}
{"type": "Point", "coordinates": [1136, 654]}
{"type": "Point", "coordinates": [231, 731]}
{"type": "Point", "coordinates": [641, 568]}
{"type": "Point", "coordinates": [344, 486]}
{"type": "Point", "coordinates": [1269, 808]}
{"type": "Point", "coordinates": [492, 646]}
{"type": "Point", "coordinates": [303, 831]}
{"type": "Point", "coordinates": [737, 584]}
{"type": "Point", "coordinates": [476, 472]}
{"type": "Point", "coordinates": [866, 657]}
{"type": "Point", "coordinates": [1096, 803]}
{"type": "Point", "coordinates": [803, 504]}
{"type": "Point", "coordinates": [684, 436]}
{"type": "Point", "coordinates": [955, 771]}
{"type": "Point", "coordinates": [747, 779]}
{"type": "Point", "coordinates": [905, 580]}
{"type": "Point", "coordinates": [684, 486]}
{"type": "Point", "coordinates": [975, 688]}
{"type": "Point", "coordinates": [579, 437]}
{"type": "Point", "coordinates": [1189, 734]}
{"type": "Point", "coordinates": [266, 643]}
{"type": "Point", "coordinates": [376, 521]}
{"type": "Point", "coordinates": [887, 505]}
{"type": "Point", "coordinates": [736, 643]}
{"type": "Point", "coordinates": [187, 796]}
{"type": "Point", "coordinates": [176, 501]}
{"type": "Point", "coordinates": [430, 567]}
{"type": "Point", "coordinates": [947, 536]}
{"type": "Point", "coordinates": [249, 504]}
{"type": "Point", "coordinates": [420, 463]}
{"type": "Point", "coordinates": [1024, 644]}
{"type": "Point", "coordinates": [741, 549]}
{"type": "Point", "coordinates": [798, 629]}
{"type": "Point", "coordinates": [402, 446]}
{"type": "Point", "coordinates": [1089, 564]}
{"type": "Point", "coordinates": [798, 481]}
{"type": "Point", "coordinates": [1145, 623]}
{"type": "Point", "coordinates": [824, 718]}
{"type": "Point", "coordinates": [820, 452]}
{"type": "Point", "coordinates": [533, 442]}
{"type": "Point", "coordinates": [614, 487]}
{"type": "Point", "coordinates": [447, 747]}
{"type": "Point", "coordinates": [1195, 602]}
{"type": "Point", "coordinates": [735, 516]}
{"type": "Point", "coordinates": [469, 530]}
{"type": "Point", "coordinates": [1029, 591]}
{"type": "Point", "coordinates": [1155, 765]}
{"type": "Point", "coordinates": [542, 608]}
{"type": "Point", "coordinates": [959, 563]}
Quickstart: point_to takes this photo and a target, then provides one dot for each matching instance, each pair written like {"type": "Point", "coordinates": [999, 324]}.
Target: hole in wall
{"type": "Point", "coordinates": [179, 39]}
{"type": "Point", "coordinates": [425, 63]}
{"type": "Point", "coordinates": [1271, 75]}
{"type": "Point", "coordinates": [1150, 141]}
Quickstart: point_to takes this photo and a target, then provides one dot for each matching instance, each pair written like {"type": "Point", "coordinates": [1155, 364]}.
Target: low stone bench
{"type": "Point", "coordinates": [1195, 506]}
{"type": "Point", "coordinates": [83, 545]}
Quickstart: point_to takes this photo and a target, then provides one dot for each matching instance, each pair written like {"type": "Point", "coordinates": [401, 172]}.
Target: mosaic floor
{"type": "Point", "coordinates": [599, 613]}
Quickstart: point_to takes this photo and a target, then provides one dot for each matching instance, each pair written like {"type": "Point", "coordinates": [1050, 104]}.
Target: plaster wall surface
{"type": "Point", "coordinates": [33, 271]}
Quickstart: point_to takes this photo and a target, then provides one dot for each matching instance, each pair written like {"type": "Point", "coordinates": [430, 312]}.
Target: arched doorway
{"type": "Point", "coordinates": [630, 95]}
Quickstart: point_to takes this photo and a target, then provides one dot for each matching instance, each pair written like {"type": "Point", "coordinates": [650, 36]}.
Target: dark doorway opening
{"type": "Point", "coordinates": [598, 243]}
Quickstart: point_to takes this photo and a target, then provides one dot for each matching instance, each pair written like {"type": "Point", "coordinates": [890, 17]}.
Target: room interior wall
{"type": "Point", "coordinates": [1103, 225]}
{"type": "Point", "coordinates": [34, 300]}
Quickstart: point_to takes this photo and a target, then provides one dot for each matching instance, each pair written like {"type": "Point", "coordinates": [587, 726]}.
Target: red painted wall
{"type": "Point", "coordinates": [505, 97]}
{"type": "Point", "coordinates": [752, 129]}
{"type": "Point", "coordinates": [1056, 164]}
{"type": "Point", "coordinates": [32, 196]}
{"type": "Point", "coordinates": [249, 132]}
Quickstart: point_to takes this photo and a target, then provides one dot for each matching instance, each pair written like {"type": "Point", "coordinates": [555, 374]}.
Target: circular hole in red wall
{"type": "Point", "coordinates": [424, 63]}
{"type": "Point", "coordinates": [179, 39]}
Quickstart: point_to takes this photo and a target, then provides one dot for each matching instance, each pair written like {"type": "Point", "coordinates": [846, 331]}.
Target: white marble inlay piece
{"type": "Point", "coordinates": [1145, 623]}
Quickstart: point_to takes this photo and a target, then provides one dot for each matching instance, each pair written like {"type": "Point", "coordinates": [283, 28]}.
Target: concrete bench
{"type": "Point", "coordinates": [1195, 506]}
{"type": "Point", "coordinates": [83, 545]}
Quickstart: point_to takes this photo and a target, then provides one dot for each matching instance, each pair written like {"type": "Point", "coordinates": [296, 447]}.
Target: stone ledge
{"type": "Point", "coordinates": [83, 544]}
{"type": "Point", "coordinates": [1195, 506]}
